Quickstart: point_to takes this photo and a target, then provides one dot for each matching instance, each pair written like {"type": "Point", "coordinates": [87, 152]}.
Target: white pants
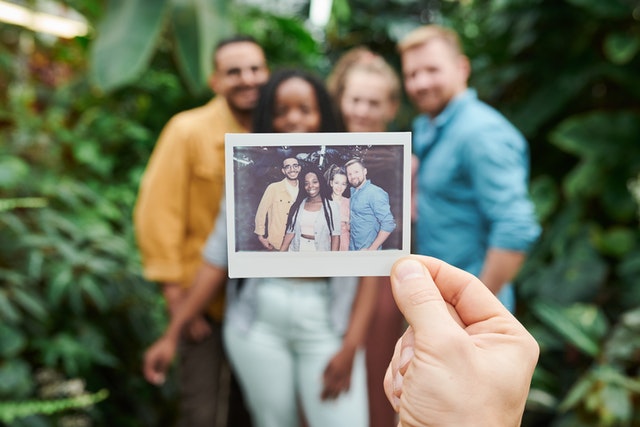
{"type": "Point", "coordinates": [282, 358]}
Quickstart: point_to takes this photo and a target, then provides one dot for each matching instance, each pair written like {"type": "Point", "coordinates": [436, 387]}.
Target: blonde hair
{"type": "Point", "coordinates": [362, 59]}
{"type": "Point", "coordinates": [427, 33]}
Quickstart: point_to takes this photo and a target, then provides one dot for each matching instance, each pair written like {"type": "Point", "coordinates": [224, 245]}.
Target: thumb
{"type": "Point", "coordinates": [418, 297]}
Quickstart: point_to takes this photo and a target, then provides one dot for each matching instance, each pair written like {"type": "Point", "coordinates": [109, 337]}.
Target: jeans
{"type": "Point", "coordinates": [281, 360]}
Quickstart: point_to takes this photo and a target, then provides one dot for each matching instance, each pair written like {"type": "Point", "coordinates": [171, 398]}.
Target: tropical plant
{"type": "Point", "coordinates": [72, 300]}
{"type": "Point", "coordinates": [71, 296]}
{"type": "Point", "coordinates": [131, 31]}
{"type": "Point", "coordinates": [564, 72]}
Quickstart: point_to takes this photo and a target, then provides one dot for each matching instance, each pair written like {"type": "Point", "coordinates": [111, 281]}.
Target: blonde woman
{"type": "Point", "coordinates": [366, 90]}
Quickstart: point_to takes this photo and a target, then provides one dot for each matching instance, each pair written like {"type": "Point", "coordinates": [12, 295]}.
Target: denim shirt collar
{"type": "Point", "coordinates": [453, 106]}
{"type": "Point", "coordinates": [427, 131]}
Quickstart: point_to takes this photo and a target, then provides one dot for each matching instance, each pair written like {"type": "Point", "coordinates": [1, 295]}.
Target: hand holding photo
{"type": "Point", "coordinates": [317, 205]}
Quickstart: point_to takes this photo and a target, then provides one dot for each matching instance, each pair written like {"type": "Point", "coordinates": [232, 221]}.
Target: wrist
{"type": "Point", "coordinates": [349, 346]}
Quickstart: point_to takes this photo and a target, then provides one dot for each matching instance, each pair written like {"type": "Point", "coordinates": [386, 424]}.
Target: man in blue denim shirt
{"type": "Point", "coordinates": [371, 218]}
{"type": "Point", "coordinates": [473, 206]}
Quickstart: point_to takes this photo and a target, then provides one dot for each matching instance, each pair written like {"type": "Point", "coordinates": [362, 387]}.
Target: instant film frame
{"type": "Point", "coordinates": [254, 161]}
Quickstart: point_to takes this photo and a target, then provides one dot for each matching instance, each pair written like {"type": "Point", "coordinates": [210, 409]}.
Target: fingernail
{"type": "Point", "coordinates": [409, 269]}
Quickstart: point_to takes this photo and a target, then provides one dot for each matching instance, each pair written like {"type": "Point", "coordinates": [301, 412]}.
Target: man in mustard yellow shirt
{"type": "Point", "coordinates": [273, 210]}
{"type": "Point", "coordinates": [176, 210]}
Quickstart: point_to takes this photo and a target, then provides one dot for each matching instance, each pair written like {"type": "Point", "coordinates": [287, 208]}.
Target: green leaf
{"type": "Point", "coordinates": [604, 9]}
{"type": "Point", "coordinates": [616, 241]}
{"type": "Point", "coordinates": [12, 171]}
{"type": "Point", "coordinates": [12, 341]}
{"type": "Point", "coordinates": [545, 196]}
{"type": "Point", "coordinates": [126, 39]}
{"type": "Point", "coordinates": [579, 324]}
{"type": "Point", "coordinates": [88, 153]}
{"type": "Point", "coordinates": [616, 406]}
{"type": "Point", "coordinates": [621, 48]}
{"type": "Point", "coordinates": [8, 311]}
{"type": "Point", "coordinates": [576, 271]}
{"type": "Point", "coordinates": [602, 136]}
{"type": "Point", "coordinates": [584, 180]}
{"type": "Point", "coordinates": [13, 410]}
{"type": "Point", "coordinates": [15, 378]}
{"type": "Point", "coordinates": [549, 100]}
{"type": "Point", "coordinates": [31, 303]}
{"type": "Point", "coordinates": [65, 348]}
{"type": "Point", "coordinates": [623, 344]}
{"type": "Point", "coordinates": [198, 25]}
{"type": "Point", "coordinates": [93, 291]}
{"type": "Point", "coordinates": [59, 285]}
{"type": "Point", "coordinates": [577, 393]}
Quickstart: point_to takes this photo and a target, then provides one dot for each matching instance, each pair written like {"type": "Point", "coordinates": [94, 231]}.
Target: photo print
{"type": "Point", "coordinates": [317, 205]}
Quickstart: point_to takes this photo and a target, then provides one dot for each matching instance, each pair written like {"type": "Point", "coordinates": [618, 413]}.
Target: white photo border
{"type": "Point", "coordinates": [316, 264]}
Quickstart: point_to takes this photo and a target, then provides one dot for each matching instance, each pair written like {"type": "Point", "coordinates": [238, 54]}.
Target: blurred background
{"type": "Point", "coordinates": [86, 86]}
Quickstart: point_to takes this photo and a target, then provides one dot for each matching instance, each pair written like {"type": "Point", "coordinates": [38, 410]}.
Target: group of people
{"type": "Point", "coordinates": [308, 211]}
{"type": "Point", "coordinates": [296, 345]}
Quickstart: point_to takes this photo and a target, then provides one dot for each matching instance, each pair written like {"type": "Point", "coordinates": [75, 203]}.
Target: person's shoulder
{"type": "Point", "coordinates": [478, 113]}
{"type": "Point", "coordinates": [213, 113]}
{"type": "Point", "coordinates": [376, 187]}
{"type": "Point", "coordinates": [274, 185]}
{"type": "Point", "coordinates": [478, 121]}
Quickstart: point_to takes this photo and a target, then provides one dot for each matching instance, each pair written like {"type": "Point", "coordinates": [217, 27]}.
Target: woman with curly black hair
{"type": "Point", "coordinates": [313, 223]}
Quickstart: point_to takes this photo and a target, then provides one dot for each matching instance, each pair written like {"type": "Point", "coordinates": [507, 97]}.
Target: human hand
{"type": "Point", "coordinates": [464, 360]}
{"type": "Point", "coordinates": [337, 374]}
{"type": "Point", "coordinates": [265, 242]}
{"type": "Point", "coordinates": [157, 359]}
{"type": "Point", "coordinates": [198, 329]}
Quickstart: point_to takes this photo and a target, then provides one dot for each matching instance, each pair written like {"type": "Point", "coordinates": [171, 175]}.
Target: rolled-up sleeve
{"type": "Point", "coordinates": [499, 168]}
{"type": "Point", "coordinates": [382, 212]}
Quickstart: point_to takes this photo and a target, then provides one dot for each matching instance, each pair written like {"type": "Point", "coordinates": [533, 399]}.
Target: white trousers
{"type": "Point", "coordinates": [281, 360]}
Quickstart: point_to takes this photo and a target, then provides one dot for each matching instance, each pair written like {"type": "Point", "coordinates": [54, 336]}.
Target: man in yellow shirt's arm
{"type": "Point", "coordinates": [176, 209]}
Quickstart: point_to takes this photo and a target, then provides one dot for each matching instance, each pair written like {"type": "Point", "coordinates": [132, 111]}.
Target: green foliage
{"type": "Point", "coordinates": [10, 411]}
{"type": "Point", "coordinates": [125, 44]}
{"type": "Point", "coordinates": [71, 297]}
{"type": "Point", "coordinates": [132, 31]}
{"type": "Point", "coordinates": [563, 71]}
{"type": "Point", "coordinates": [285, 40]}
{"type": "Point", "coordinates": [196, 26]}
{"type": "Point", "coordinates": [71, 294]}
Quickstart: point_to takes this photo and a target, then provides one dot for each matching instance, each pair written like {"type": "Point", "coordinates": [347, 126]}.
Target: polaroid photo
{"type": "Point", "coordinates": [317, 204]}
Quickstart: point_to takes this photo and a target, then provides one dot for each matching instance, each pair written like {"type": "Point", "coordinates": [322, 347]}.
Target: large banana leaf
{"type": "Point", "coordinates": [198, 25]}
{"type": "Point", "coordinates": [126, 39]}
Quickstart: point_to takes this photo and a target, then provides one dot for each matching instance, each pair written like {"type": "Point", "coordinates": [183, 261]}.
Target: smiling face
{"type": "Point", "coordinates": [357, 174]}
{"type": "Point", "coordinates": [291, 168]}
{"type": "Point", "coordinates": [367, 104]}
{"type": "Point", "coordinates": [240, 71]}
{"type": "Point", "coordinates": [433, 75]}
{"type": "Point", "coordinates": [296, 107]}
{"type": "Point", "coordinates": [338, 184]}
{"type": "Point", "coordinates": [312, 184]}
